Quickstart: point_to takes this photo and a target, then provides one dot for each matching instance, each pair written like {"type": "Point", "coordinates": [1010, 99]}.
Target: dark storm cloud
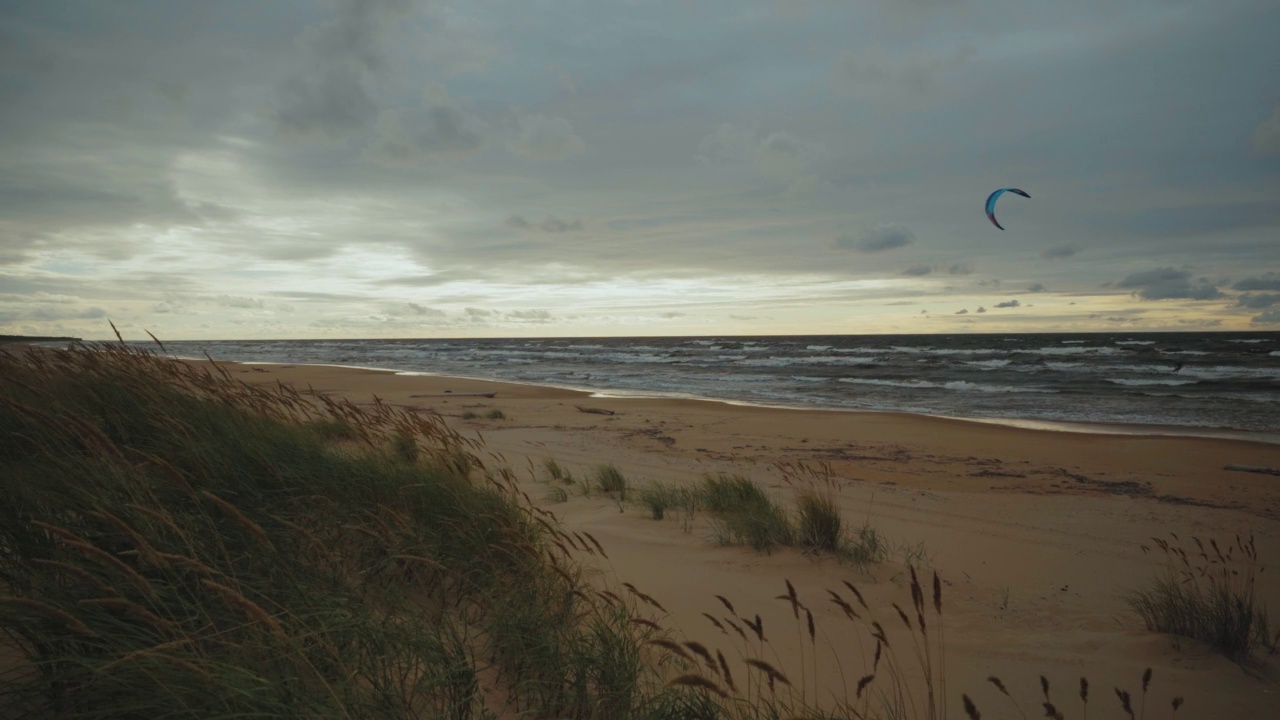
{"type": "Point", "coordinates": [1270, 317]}
{"type": "Point", "coordinates": [330, 93]}
{"type": "Point", "coordinates": [1257, 302]}
{"type": "Point", "coordinates": [877, 239]}
{"type": "Point", "coordinates": [439, 128]}
{"type": "Point", "coordinates": [551, 224]}
{"type": "Point", "coordinates": [1168, 283]}
{"type": "Point", "coordinates": [1270, 281]}
{"type": "Point", "coordinates": [1008, 304]}
{"type": "Point", "coordinates": [1059, 252]}
{"type": "Point", "coordinates": [953, 269]}
{"type": "Point", "coordinates": [556, 225]}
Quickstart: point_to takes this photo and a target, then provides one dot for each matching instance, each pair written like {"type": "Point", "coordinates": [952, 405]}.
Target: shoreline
{"type": "Point", "coordinates": [1057, 426]}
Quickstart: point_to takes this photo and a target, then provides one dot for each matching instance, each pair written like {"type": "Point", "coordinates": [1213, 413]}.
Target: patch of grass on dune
{"type": "Point", "coordinates": [1209, 594]}
{"type": "Point", "coordinates": [745, 513]}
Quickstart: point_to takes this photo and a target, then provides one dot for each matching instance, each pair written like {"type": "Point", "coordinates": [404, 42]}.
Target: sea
{"type": "Point", "coordinates": [1212, 384]}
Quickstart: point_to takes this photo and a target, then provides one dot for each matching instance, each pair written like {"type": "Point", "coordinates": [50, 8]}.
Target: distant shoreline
{"type": "Point", "coordinates": [36, 338]}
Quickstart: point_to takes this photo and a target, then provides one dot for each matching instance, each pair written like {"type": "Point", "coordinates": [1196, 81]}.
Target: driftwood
{"type": "Point", "coordinates": [597, 411]}
{"type": "Point", "coordinates": [1253, 469]}
{"type": "Point", "coordinates": [476, 394]}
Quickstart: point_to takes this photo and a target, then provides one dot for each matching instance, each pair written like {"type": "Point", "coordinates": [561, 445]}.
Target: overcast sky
{"type": "Point", "coordinates": [423, 168]}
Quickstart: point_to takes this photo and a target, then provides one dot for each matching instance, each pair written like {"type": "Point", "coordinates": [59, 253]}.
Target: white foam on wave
{"type": "Point", "coordinates": [954, 385]}
{"type": "Point", "coordinates": [844, 360]}
{"type": "Point", "coordinates": [1073, 350]}
{"type": "Point", "coordinates": [1145, 381]}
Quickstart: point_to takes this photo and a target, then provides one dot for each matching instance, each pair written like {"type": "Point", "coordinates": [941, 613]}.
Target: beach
{"type": "Point", "coordinates": [1036, 535]}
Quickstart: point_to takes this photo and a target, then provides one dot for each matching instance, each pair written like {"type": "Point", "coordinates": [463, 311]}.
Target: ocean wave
{"type": "Point", "coordinates": [842, 360]}
{"type": "Point", "coordinates": [956, 385]}
{"type": "Point", "coordinates": [929, 350]}
{"type": "Point", "coordinates": [1073, 350]}
{"type": "Point", "coordinates": [1146, 381]}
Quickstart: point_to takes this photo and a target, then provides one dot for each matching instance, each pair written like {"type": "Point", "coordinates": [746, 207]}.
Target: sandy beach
{"type": "Point", "coordinates": [1036, 534]}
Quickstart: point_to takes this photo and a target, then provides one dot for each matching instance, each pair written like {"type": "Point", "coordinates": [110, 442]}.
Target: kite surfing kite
{"type": "Point", "coordinates": [991, 203]}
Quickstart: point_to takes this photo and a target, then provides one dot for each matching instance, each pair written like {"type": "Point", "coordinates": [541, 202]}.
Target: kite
{"type": "Point", "coordinates": [991, 203]}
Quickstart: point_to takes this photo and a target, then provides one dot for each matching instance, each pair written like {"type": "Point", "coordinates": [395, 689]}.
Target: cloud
{"type": "Point", "coordinates": [1257, 302]}
{"type": "Point", "coordinates": [536, 316]}
{"type": "Point", "coordinates": [779, 155]}
{"type": "Point", "coordinates": [1270, 317]}
{"type": "Point", "coordinates": [1009, 304]}
{"type": "Point", "coordinates": [922, 270]}
{"type": "Point", "coordinates": [568, 83]}
{"type": "Point", "coordinates": [874, 72]}
{"type": "Point", "coordinates": [544, 137]}
{"type": "Point", "coordinates": [441, 126]}
{"type": "Point", "coordinates": [1169, 221]}
{"type": "Point", "coordinates": [556, 225]}
{"type": "Point", "coordinates": [980, 310]}
{"type": "Point", "coordinates": [1036, 287]}
{"type": "Point", "coordinates": [551, 224]}
{"type": "Point", "coordinates": [237, 302]}
{"type": "Point", "coordinates": [330, 94]}
{"type": "Point", "coordinates": [964, 311]}
{"type": "Point", "coordinates": [1266, 137]}
{"type": "Point", "coordinates": [1270, 281]}
{"type": "Point", "coordinates": [1059, 252]}
{"type": "Point", "coordinates": [877, 239]}
{"type": "Point", "coordinates": [51, 314]}
{"type": "Point", "coordinates": [413, 310]}
{"type": "Point", "coordinates": [1168, 283]}
{"type": "Point", "coordinates": [330, 101]}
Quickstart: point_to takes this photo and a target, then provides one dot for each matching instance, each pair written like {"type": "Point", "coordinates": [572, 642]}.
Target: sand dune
{"type": "Point", "coordinates": [1036, 534]}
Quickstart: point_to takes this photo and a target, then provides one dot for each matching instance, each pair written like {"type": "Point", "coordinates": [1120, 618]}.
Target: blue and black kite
{"type": "Point", "coordinates": [991, 203]}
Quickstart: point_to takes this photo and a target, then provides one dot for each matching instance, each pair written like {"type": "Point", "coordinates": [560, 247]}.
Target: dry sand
{"type": "Point", "coordinates": [1036, 534]}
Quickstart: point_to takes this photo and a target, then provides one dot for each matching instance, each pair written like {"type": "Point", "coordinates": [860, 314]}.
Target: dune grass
{"type": "Point", "coordinates": [1208, 594]}
{"type": "Point", "coordinates": [173, 542]}
{"type": "Point", "coordinates": [610, 480]}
